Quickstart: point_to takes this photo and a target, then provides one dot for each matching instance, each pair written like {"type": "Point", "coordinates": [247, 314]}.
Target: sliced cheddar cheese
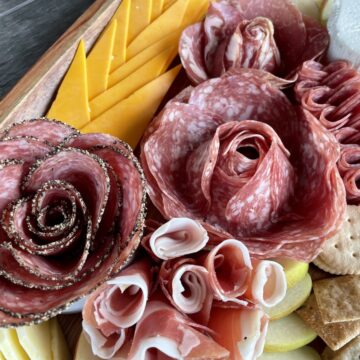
{"type": "Point", "coordinates": [58, 345]}
{"type": "Point", "coordinates": [71, 104]}
{"type": "Point", "coordinates": [130, 84]}
{"type": "Point", "coordinates": [36, 340]}
{"type": "Point", "coordinates": [142, 58]}
{"type": "Point", "coordinates": [168, 3]}
{"type": "Point", "coordinates": [157, 7]}
{"type": "Point", "coordinates": [122, 15]}
{"type": "Point", "coordinates": [140, 17]}
{"type": "Point", "coordinates": [83, 350]}
{"type": "Point", "coordinates": [10, 346]}
{"type": "Point", "coordinates": [195, 11]}
{"type": "Point", "coordinates": [99, 61]}
{"type": "Point", "coordinates": [129, 118]}
{"type": "Point", "coordinates": [166, 23]}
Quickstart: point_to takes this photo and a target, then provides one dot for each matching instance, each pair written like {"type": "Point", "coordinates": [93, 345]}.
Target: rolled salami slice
{"type": "Point", "coordinates": [237, 156]}
{"type": "Point", "coordinates": [72, 209]}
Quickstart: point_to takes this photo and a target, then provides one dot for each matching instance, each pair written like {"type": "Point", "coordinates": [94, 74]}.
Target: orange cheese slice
{"type": "Point", "coordinates": [71, 103]}
{"type": "Point", "coordinates": [157, 8]}
{"type": "Point", "coordinates": [99, 60]}
{"type": "Point", "coordinates": [129, 118]}
{"type": "Point", "coordinates": [168, 3]}
{"type": "Point", "coordinates": [122, 15]}
{"type": "Point", "coordinates": [140, 17]}
{"type": "Point", "coordinates": [166, 23]}
{"type": "Point", "coordinates": [142, 58]}
{"type": "Point", "coordinates": [135, 81]}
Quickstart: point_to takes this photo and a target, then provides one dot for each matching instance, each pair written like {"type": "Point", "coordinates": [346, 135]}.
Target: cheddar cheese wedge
{"type": "Point", "coordinates": [135, 81]}
{"type": "Point", "coordinates": [157, 7]}
{"type": "Point", "coordinates": [166, 23]}
{"type": "Point", "coordinates": [140, 17]}
{"type": "Point", "coordinates": [10, 346]}
{"type": "Point", "coordinates": [36, 340]}
{"type": "Point", "coordinates": [142, 58]}
{"type": "Point", "coordinates": [129, 118]}
{"type": "Point", "coordinates": [99, 61]}
{"type": "Point", "coordinates": [122, 15]}
{"type": "Point", "coordinates": [71, 104]}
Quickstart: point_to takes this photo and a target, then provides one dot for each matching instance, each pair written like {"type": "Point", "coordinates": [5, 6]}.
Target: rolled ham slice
{"type": "Point", "coordinates": [229, 268]}
{"type": "Point", "coordinates": [115, 307]}
{"type": "Point", "coordinates": [178, 237]}
{"type": "Point", "coordinates": [268, 283]}
{"type": "Point", "coordinates": [186, 285]}
{"type": "Point", "coordinates": [167, 333]}
{"type": "Point", "coordinates": [241, 331]}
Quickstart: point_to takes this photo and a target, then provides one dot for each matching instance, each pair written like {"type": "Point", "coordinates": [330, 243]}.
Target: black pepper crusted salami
{"type": "Point", "coordinates": [72, 209]}
{"type": "Point", "coordinates": [238, 157]}
{"type": "Point", "coordinates": [268, 35]}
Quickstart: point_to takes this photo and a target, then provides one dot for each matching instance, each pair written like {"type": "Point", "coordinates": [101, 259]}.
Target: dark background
{"type": "Point", "coordinates": [27, 29]}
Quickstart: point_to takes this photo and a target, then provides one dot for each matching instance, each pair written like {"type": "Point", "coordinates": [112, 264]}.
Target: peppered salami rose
{"type": "Point", "coordinates": [234, 154]}
{"type": "Point", "coordinates": [268, 35]}
{"type": "Point", "coordinates": [72, 210]}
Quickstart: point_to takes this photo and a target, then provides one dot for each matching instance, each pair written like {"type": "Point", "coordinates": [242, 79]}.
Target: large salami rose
{"type": "Point", "coordinates": [234, 154]}
{"type": "Point", "coordinates": [259, 34]}
{"type": "Point", "coordinates": [72, 210]}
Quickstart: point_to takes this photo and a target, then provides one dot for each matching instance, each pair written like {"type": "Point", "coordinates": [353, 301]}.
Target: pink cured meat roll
{"type": "Point", "coordinates": [168, 334]}
{"type": "Point", "coordinates": [72, 209]}
{"type": "Point", "coordinates": [268, 35]}
{"type": "Point", "coordinates": [256, 180]}
{"type": "Point", "coordinates": [115, 307]}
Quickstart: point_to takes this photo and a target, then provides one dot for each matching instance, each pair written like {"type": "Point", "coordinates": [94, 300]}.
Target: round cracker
{"type": "Point", "coordinates": [341, 254]}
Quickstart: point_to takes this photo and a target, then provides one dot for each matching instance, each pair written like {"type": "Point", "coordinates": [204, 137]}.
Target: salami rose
{"type": "Point", "coordinates": [234, 154]}
{"type": "Point", "coordinates": [72, 210]}
{"type": "Point", "coordinates": [268, 35]}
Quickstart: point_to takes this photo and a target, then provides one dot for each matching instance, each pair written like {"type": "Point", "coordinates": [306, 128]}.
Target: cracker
{"type": "Point", "coordinates": [338, 298]}
{"type": "Point", "coordinates": [335, 335]}
{"type": "Point", "coordinates": [341, 253]}
{"type": "Point", "coordinates": [350, 351]}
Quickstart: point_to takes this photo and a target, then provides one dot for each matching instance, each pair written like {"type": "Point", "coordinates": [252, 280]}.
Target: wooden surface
{"type": "Point", "coordinates": [28, 29]}
{"type": "Point", "coordinates": [32, 95]}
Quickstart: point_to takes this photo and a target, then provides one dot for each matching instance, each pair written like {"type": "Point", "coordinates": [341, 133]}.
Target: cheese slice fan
{"type": "Point", "coordinates": [10, 346]}
{"type": "Point", "coordinates": [122, 15]}
{"type": "Point", "coordinates": [140, 17]}
{"type": "Point", "coordinates": [129, 118]}
{"type": "Point", "coordinates": [99, 61]}
{"type": "Point", "coordinates": [71, 103]}
{"type": "Point", "coordinates": [135, 81]}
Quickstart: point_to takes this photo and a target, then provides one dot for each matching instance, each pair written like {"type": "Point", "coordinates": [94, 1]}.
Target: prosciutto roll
{"type": "Point", "coordinates": [163, 331]}
{"type": "Point", "coordinates": [114, 308]}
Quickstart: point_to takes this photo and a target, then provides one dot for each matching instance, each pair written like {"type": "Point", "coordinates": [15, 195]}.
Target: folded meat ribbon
{"type": "Point", "coordinates": [236, 155]}
{"type": "Point", "coordinates": [268, 35]}
{"type": "Point", "coordinates": [332, 94]}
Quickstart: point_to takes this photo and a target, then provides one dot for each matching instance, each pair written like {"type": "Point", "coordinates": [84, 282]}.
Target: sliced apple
{"type": "Point", "coordinates": [308, 7]}
{"type": "Point", "coordinates": [325, 10]}
{"type": "Point", "coordinates": [303, 353]}
{"type": "Point", "coordinates": [295, 271]}
{"type": "Point", "coordinates": [288, 333]}
{"type": "Point", "coordinates": [295, 297]}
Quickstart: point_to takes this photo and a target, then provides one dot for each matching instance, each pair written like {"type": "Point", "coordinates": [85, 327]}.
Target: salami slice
{"type": "Point", "coordinates": [270, 36]}
{"type": "Point", "coordinates": [239, 158]}
{"type": "Point", "coordinates": [72, 216]}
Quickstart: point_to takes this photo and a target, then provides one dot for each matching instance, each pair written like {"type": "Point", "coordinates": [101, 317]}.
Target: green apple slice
{"type": "Point", "coordinates": [295, 271]}
{"type": "Point", "coordinates": [295, 297]}
{"type": "Point", "coordinates": [303, 353]}
{"type": "Point", "coordinates": [288, 333]}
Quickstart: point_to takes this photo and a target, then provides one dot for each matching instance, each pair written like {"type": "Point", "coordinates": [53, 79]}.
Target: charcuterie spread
{"type": "Point", "coordinates": [187, 171]}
